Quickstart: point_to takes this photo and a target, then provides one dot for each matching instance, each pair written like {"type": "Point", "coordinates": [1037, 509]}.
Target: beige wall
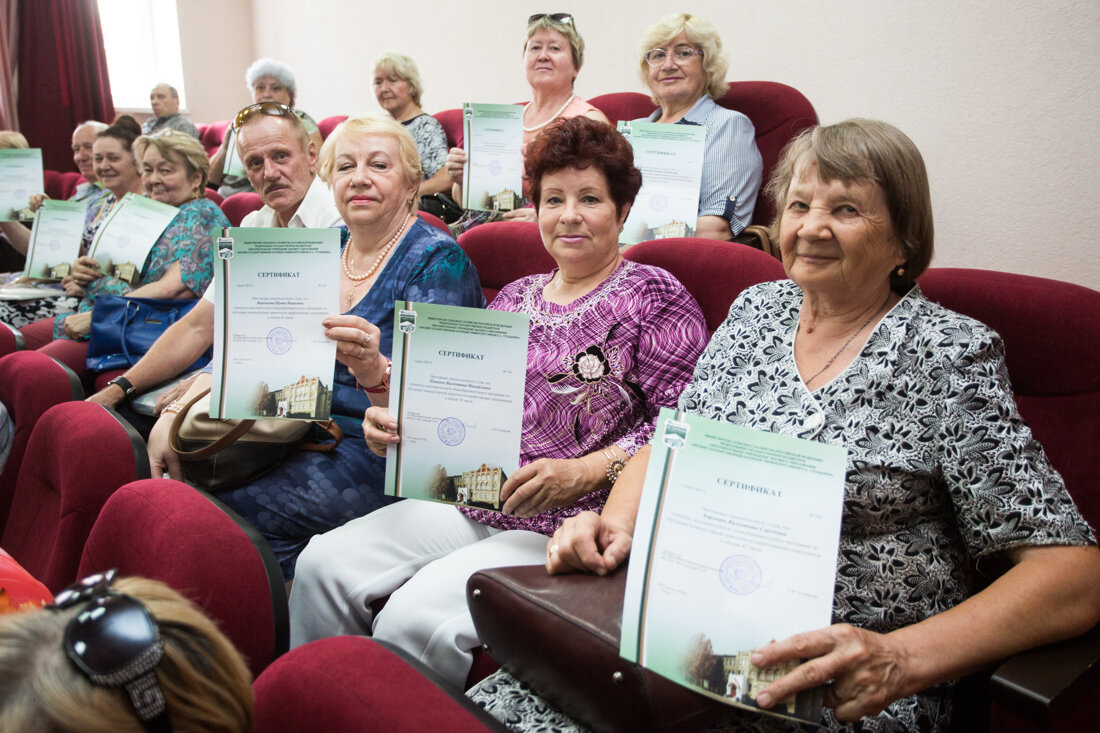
{"type": "Point", "coordinates": [1000, 96]}
{"type": "Point", "coordinates": [216, 44]}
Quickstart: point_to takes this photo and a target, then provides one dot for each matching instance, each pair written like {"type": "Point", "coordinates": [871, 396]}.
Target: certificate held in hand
{"type": "Point", "coordinates": [456, 390]}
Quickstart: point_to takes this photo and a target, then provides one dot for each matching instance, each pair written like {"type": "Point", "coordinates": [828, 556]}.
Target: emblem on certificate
{"type": "Point", "coordinates": [225, 247]}
{"type": "Point", "coordinates": [406, 321]}
{"type": "Point", "coordinates": [676, 434]}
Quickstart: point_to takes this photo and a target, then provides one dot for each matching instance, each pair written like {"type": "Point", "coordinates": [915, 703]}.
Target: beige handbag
{"type": "Point", "coordinates": [217, 455]}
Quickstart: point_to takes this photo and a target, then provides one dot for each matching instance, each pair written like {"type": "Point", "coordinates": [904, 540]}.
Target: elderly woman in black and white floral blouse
{"type": "Point", "coordinates": [942, 471]}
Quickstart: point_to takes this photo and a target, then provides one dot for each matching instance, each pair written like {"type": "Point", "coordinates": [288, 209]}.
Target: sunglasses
{"type": "Point", "coordinates": [115, 642]}
{"type": "Point", "coordinates": [265, 108]}
{"type": "Point", "coordinates": [563, 18]}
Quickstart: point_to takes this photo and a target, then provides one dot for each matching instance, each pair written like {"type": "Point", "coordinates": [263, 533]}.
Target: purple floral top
{"type": "Point", "coordinates": [599, 370]}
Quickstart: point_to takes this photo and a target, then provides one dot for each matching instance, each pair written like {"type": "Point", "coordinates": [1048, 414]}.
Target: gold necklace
{"type": "Point", "coordinates": [850, 338]}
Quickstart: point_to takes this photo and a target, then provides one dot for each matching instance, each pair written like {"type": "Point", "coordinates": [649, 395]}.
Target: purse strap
{"type": "Point", "coordinates": [220, 444]}
{"type": "Point", "coordinates": [332, 429]}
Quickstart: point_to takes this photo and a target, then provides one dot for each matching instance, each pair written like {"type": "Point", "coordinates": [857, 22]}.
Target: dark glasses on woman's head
{"type": "Point", "coordinates": [265, 108]}
{"type": "Point", "coordinates": [563, 18]}
{"type": "Point", "coordinates": [115, 642]}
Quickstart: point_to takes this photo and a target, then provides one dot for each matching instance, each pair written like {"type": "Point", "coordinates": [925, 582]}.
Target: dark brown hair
{"type": "Point", "coordinates": [580, 142]}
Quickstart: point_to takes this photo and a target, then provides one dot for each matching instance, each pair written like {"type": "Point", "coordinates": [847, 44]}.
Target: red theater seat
{"type": "Point", "coordinates": [327, 125]}
{"type": "Point", "coordinates": [504, 251]}
{"type": "Point", "coordinates": [351, 683]}
{"type": "Point", "coordinates": [169, 531]}
{"type": "Point", "coordinates": [78, 454]}
{"type": "Point", "coordinates": [240, 205]}
{"type": "Point", "coordinates": [30, 384]}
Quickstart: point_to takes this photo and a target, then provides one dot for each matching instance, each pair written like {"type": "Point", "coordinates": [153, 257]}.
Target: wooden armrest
{"type": "Point", "coordinates": [1046, 684]}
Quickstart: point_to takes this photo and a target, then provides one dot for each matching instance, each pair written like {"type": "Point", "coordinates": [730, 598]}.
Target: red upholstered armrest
{"type": "Point", "coordinates": [560, 635]}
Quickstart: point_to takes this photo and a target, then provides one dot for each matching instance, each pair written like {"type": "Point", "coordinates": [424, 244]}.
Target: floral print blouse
{"type": "Point", "coordinates": [599, 370]}
{"type": "Point", "coordinates": [942, 469]}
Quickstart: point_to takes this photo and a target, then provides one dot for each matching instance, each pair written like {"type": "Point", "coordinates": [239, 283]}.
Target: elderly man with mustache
{"type": "Point", "coordinates": [281, 163]}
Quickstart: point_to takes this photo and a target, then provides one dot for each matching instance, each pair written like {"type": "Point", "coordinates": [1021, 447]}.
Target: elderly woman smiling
{"type": "Point", "coordinates": [268, 80]}
{"type": "Point", "coordinates": [397, 88]}
{"type": "Point", "coordinates": [173, 167]}
{"type": "Point", "coordinates": [685, 68]}
{"type": "Point", "coordinates": [942, 470]}
{"type": "Point", "coordinates": [611, 342]}
{"type": "Point", "coordinates": [552, 58]}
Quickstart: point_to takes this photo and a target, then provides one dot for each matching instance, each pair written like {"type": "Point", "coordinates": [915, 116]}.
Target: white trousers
{"type": "Point", "coordinates": [418, 553]}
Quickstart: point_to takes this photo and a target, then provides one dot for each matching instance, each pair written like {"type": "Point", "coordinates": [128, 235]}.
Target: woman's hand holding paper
{"type": "Point", "coordinates": [379, 430]}
{"type": "Point", "coordinates": [85, 271]}
{"type": "Point", "coordinates": [357, 348]}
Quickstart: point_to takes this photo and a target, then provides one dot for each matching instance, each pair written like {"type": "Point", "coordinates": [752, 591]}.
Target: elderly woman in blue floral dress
{"type": "Point", "coordinates": [611, 342]}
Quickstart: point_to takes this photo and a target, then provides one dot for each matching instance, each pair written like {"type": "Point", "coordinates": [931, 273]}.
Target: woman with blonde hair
{"type": "Point", "coordinates": [684, 66]}
{"type": "Point", "coordinates": [397, 88]}
{"type": "Point", "coordinates": [552, 58]}
{"type": "Point", "coordinates": [120, 656]}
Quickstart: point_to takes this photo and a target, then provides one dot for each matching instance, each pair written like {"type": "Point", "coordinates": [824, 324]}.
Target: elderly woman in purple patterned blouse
{"type": "Point", "coordinates": [611, 343]}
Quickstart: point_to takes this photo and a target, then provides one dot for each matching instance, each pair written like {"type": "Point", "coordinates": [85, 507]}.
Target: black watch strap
{"type": "Point", "coordinates": [128, 389]}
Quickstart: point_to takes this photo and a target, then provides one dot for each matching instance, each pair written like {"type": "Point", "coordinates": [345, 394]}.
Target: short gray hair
{"type": "Point", "coordinates": [277, 69]}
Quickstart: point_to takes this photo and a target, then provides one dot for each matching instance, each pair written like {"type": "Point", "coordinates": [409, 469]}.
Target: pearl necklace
{"type": "Point", "coordinates": [556, 114]}
{"type": "Point", "coordinates": [850, 338]}
{"type": "Point", "coordinates": [356, 279]}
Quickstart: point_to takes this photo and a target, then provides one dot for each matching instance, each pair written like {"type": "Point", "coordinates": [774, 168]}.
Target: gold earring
{"type": "Point", "coordinates": [900, 272]}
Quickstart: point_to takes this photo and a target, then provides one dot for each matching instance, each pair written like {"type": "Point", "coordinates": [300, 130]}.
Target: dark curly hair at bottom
{"type": "Point", "coordinates": [580, 142]}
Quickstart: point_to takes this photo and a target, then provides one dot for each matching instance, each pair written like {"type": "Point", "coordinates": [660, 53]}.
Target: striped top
{"type": "Point", "coordinates": [732, 167]}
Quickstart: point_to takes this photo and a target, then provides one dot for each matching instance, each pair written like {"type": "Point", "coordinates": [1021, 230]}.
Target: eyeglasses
{"type": "Point", "coordinates": [680, 55]}
{"type": "Point", "coordinates": [563, 18]}
{"type": "Point", "coordinates": [265, 108]}
{"type": "Point", "coordinates": [115, 642]}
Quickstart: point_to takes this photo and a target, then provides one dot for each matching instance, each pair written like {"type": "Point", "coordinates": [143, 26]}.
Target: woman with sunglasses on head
{"type": "Point", "coordinates": [552, 58]}
{"type": "Point", "coordinates": [169, 667]}
{"type": "Point", "coordinates": [268, 81]}
{"type": "Point", "coordinates": [685, 68]}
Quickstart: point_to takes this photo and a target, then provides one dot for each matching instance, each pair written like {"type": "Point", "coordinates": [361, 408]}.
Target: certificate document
{"type": "Point", "coordinates": [456, 390]}
{"type": "Point", "coordinates": [233, 165]}
{"type": "Point", "coordinates": [125, 237]}
{"type": "Point", "coordinates": [493, 140]}
{"type": "Point", "coordinates": [272, 290]}
{"type": "Point", "coordinates": [55, 239]}
{"type": "Point", "coordinates": [20, 177]}
{"type": "Point", "coordinates": [735, 545]}
{"type": "Point", "coordinates": [670, 158]}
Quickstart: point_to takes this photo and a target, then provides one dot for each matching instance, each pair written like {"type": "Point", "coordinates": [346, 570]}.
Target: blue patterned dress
{"type": "Point", "coordinates": [187, 240]}
{"type": "Point", "coordinates": [314, 492]}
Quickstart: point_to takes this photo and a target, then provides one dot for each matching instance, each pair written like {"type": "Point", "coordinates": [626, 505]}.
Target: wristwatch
{"type": "Point", "coordinates": [128, 390]}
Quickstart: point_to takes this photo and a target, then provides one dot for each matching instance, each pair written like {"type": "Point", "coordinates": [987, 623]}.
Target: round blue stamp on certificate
{"type": "Point", "coordinates": [451, 431]}
{"type": "Point", "coordinates": [740, 574]}
{"type": "Point", "coordinates": [279, 341]}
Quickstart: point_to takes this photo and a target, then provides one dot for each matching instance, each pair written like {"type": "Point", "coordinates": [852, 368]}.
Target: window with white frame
{"type": "Point", "coordinates": [142, 41]}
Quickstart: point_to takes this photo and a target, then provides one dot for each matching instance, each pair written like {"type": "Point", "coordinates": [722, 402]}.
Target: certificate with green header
{"type": "Point", "coordinates": [20, 178]}
{"type": "Point", "coordinates": [456, 390]}
{"type": "Point", "coordinates": [125, 237]}
{"type": "Point", "coordinates": [273, 289]}
{"type": "Point", "coordinates": [492, 179]}
{"type": "Point", "coordinates": [735, 545]}
{"type": "Point", "coordinates": [233, 165]}
{"type": "Point", "coordinates": [670, 158]}
{"type": "Point", "coordinates": [55, 239]}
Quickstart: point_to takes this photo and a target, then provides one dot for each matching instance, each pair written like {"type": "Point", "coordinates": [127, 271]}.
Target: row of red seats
{"type": "Point", "coordinates": [1051, 331]}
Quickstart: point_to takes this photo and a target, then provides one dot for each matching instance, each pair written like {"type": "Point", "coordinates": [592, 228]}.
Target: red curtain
{"type": "Point", "coordinates": [62, 75]}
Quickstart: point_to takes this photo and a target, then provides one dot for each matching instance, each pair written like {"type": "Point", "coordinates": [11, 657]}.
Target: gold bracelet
{"type": "Point", "coordinates": [615, 465]}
